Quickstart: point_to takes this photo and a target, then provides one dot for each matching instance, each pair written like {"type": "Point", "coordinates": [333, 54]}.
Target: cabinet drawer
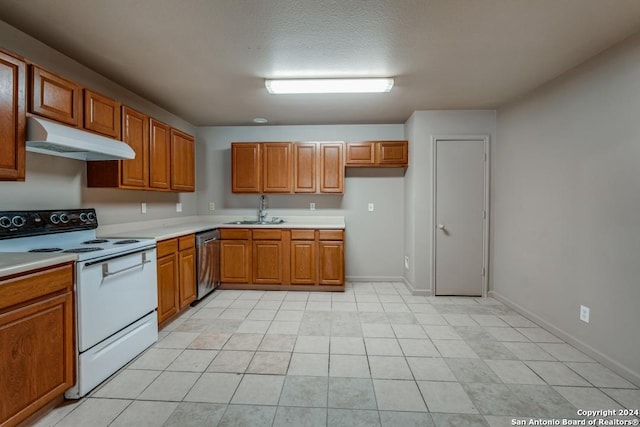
{"type": "Point", "coordinates": [303, 234]}
{"type": "Point", "coordinates": [186, 242]}
{"type": "Point", "coordinates": [331, 234]}
{"type": "Point", "coordinates": [35, 285]}
{"type": "Point", "coordinates": [167, 247]}
{"type": "Point", "coordinates": [267, 234]}
{"type": "Point", "coordinates": [235, 234]}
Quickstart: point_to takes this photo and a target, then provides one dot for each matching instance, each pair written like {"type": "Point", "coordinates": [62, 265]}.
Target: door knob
{"type": "Point", "coordinates": [441, 227]}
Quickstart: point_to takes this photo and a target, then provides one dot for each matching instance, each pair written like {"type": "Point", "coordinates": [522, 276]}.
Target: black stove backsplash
{"type": "Point", "coordinates": [15, 224]}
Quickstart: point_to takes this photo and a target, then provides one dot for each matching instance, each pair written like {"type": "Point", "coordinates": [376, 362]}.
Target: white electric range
{"type": "Point", "coordinates": [115, 283]}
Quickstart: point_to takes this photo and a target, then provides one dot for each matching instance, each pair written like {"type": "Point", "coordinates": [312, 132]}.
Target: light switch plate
{"type": "Point", "coordinates": [370, 207]}
{"type": "Point", "coordinates": [143, 208]}
{"type": "Point", "coordinates": [312, 206]}
{"type": "Point", "coordinates": [178, 207]}
{"type": "Point", "coordinates": [212, 206]}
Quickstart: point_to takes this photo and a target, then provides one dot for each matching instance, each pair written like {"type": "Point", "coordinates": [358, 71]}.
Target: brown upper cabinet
{"type": "Point", "coordinates": [159, 155]}
{"type": "Point", "coordinates": [13, 118]}
{"type": "Point", "coordinates": [318, 167]}
{"type": "Point", "coordinates": [392, 153]}
{"type": "Point", "coordinates": [101, 114]}
{"type": "Point", "coordinates": [360, 154]}
{"type": "Point", "coordinates": [305, 167]}
{"type": "Point", "coordinates": [332, 167]}
{"type": "Point", "coordinates": [246, 170]}
{"type": "Point", "coordinates": [276, 167]}
{"type": "Point", "coordinates": [377, 154]}
{"type": "Point", "coordinates": [287, 167]}
{"type": "Point", "coordinates": [136, 134]}
{"type": "Point", "coordinates": [164, 158]}
{"type": "Point", "coordinates": [183, 163]}
{"type": "Point", "coordinates": [55, 97]}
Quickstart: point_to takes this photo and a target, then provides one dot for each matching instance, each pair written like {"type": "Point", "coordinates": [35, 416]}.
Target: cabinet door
{"type": "Point", "coordinates": [37, 360]}
{"type": "Point", "coordinates": [183, 170]}
{"type": "Point", "coordinates": [304, 167]}
{"type": "Point", "coordinates": [235, 261]}
{"type": "Point", "coordinates": [392, 153]}
{"type": "Point", "coordinates": [135, 172]}
{"type": "Point", "coordinates": [159, 155]}
{"type": "Point", "coordinates": [331, 167]}
{"type": "Point", "coordinates": [101, 114]}
{"type": "Point", "coordinates": [187, 276]}
{"type": "Point", "coordinates": [276, 166]}
{"type": "Point", "coordinates": [12, 118]}
{"type": "Point", "coordinates": [360, 154]}
{"type": "Point", "coordinates": [331, 260]}
{"type": "Point", "coordinates": [246, 171]}
{"type": "Point", "coordinates": [267, 261]}
{"type": "Point", "coordinates": [168, 303]}
{"type": "Point", "coordinates": [303, 262]}
{"type": "Point", "coordinates": [55, 97]}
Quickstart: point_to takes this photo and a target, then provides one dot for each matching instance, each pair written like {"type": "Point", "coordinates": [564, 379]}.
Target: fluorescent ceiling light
{"type": "Point", "coordinates": [329, 85]}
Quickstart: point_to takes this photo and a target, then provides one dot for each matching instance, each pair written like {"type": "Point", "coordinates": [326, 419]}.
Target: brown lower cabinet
{"type": "Point", "coordinates": [295, 259]}
{"type": "Point", "coordinates": [37, 338]}
{"type": "Point", "coordinates": [176, 276]}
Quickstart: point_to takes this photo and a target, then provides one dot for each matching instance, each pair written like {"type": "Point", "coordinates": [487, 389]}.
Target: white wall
{"type": "Point", "coordinates": [59, 183]}
{"type": "Point", "coordinates": [566, 228]}
{"type": "Point", "coordinates": [418, 215]}
{"type": "Point", "coordinates": [374, 240]}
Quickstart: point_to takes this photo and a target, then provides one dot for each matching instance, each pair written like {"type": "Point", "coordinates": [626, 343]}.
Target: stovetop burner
{"type": "Point", "coordinates": [81, 250]}
{"type": "Point", "coordinates": [63, 231]}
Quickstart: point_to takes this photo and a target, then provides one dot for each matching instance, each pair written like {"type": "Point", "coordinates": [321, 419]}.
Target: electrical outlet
{"type": "Point", "coordinates": [406, 262]}
{"type": "Point", "coordinates": [584, 313]}
{"type": "Point", "coordinates": [312, 206]}
{"type": "Point", "coordinates": [370, 207]}
{"type": "Point", "coordinates": [178, 207]}
{"type": "Point", "coordinates": [143, 208]}
{"type": "Point", "coordinates": [212, 206]}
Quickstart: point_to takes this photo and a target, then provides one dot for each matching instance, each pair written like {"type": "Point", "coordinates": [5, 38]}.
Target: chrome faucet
{"type": "Point", "coordinates": [262, 213]}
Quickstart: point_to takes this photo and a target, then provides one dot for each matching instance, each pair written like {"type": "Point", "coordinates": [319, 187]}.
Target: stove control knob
{"type": "Point", "coordinates": [54, 219]}
{"type": "Point", "coordinates": [83, 217]}
{"type": "Point", "coordinates": [18, 221]}
{"type": "Point", "coordinates": [64, 218]}
{"type": "Point", "coordinates": [5, 222]}
{"type": "Point", "coordinates": [91, 216]}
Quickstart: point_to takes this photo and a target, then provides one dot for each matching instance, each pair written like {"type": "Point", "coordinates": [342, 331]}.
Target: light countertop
{"type": "Point", "coordinates": [175, 227]}
{"type": "Point", "coordinates": [20, 262]}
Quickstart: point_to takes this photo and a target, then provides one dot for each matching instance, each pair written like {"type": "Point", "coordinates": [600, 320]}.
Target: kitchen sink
{"type": "Point", "coordinates": [254, 222]}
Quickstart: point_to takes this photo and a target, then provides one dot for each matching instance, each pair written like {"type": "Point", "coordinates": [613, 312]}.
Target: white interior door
{"type": "Point", "coordinates": [459, 190]}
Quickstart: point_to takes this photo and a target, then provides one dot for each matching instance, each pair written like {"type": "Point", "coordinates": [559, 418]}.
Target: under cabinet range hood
{"type": "Point", "coordinates": [47, 137]}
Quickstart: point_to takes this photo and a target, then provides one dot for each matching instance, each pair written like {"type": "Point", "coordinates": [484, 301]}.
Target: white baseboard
{"type": "Point", "coordinates": [374, 278]}
{"type": "Point", "coordinates": [610, 363]}
{"type": "Point", "coordinates": [407, 283]}
{"type": "Point", "coordinates": [414, 291]}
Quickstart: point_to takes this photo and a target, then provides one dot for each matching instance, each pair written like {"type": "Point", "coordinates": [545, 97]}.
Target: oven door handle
{"type": "Point", "coordinates": [107, 273]}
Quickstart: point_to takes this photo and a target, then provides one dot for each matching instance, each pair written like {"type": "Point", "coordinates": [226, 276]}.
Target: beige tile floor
{"type": "Point", "coordinates": [371, 356]}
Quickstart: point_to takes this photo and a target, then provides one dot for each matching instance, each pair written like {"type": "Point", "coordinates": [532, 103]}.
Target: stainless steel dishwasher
{"type": "Point", "coordinates": [207, 262]}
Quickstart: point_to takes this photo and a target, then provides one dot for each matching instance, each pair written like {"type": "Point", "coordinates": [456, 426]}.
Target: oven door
{"type": "Point", "coordinates": [112, 293]}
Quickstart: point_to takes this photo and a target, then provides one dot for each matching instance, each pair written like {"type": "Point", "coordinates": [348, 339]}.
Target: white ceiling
{"type": "Point", "coordinates": [206, 60]}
